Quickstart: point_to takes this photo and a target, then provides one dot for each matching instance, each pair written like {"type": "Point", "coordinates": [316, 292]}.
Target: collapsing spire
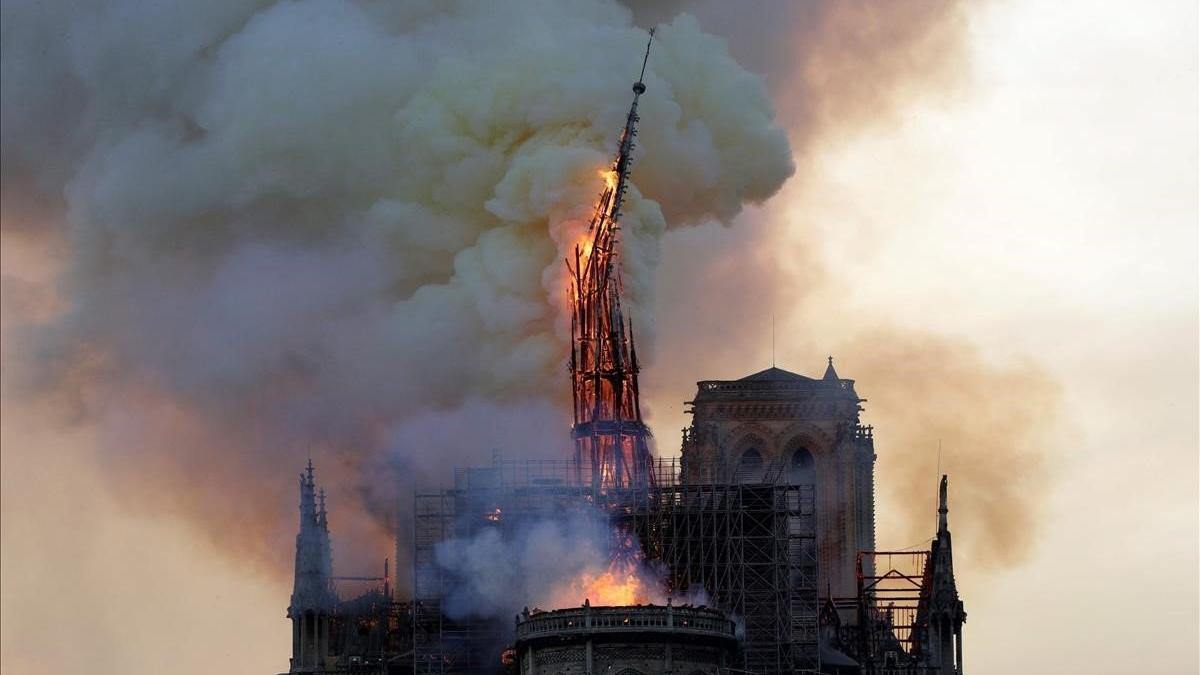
{"type": "Point", "coordinates": [611, 440]}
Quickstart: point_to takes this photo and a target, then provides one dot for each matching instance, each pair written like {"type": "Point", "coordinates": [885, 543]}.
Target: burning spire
{"type": "Point", "coordinates": [611, 440]}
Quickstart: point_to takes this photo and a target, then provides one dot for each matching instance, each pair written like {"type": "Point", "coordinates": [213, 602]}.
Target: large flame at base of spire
{"type": "Point", "coordinates": [615, 586]}
{"type": "Point", "coordinates": [627, 580]}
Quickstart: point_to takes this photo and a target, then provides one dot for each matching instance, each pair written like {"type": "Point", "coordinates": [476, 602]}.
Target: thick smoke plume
{"type": "Point", "coordinates": [247, 232]}
{"type": "Point", "coordinates": [548, 563]}
{"type": "Point", "coordinates": [336, 228]}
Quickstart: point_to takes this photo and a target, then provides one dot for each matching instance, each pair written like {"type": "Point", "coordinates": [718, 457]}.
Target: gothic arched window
{"type": "Point", "coordinates": [750, 467]}
{"type": "Point", "coordinates": [802, 470]}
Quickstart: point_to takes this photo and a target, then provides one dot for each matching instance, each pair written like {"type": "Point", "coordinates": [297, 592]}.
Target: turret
{"type": "Point", "coordinates": [945, 610]}
{"type": "Point", "coordinates": [313, 598]}
{"type": "Point", "coordinates": [830, 373]}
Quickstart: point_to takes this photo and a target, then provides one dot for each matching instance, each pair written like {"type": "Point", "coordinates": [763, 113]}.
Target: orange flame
{"type": "Point", "coordinates": [584, 240]}
{"type": "Point", "coordinates": [610, 178]}
{"type": "Point", "coordinates": [619, 585]}
{"type": "Point", "coordinates": [610, 183]}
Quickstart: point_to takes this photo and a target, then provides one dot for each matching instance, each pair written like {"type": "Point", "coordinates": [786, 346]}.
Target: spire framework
{"type": "Point", "coordinates": [611, 440]}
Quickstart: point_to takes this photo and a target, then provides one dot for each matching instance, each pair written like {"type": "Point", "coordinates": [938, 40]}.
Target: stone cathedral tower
{"type": "Point", "coordinates": [777, 425]}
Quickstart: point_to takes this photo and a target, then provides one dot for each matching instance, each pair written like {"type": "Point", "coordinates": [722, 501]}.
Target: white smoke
{"type": "Point", "coordinates": [341, 225]}
{"type": "Point", "coordinates": [549, 563]}
{"type": "Point", "coordinates": [494, 575]}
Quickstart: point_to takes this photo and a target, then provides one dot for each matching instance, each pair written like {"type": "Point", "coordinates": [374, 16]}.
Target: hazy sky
{"type": "Point", "coordinates": [1051, 212]}
{"type": "Point", "coordinates": [1043, 209]}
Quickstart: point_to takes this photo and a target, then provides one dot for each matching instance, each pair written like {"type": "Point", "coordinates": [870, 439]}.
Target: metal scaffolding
{"type": "Point", "coordinates": [750, 547]}
{"type": "Point", "coordinates": [888, 626]}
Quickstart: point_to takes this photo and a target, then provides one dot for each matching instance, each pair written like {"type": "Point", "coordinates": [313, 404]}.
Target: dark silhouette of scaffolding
{"type": "Point", "coordinates": [750, 548]}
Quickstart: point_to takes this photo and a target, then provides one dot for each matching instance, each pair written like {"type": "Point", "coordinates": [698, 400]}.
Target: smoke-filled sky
{"type": "Point", "coordinates": [235, 234]}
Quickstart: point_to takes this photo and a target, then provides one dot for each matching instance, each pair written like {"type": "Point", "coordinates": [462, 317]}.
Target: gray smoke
{"type": "Point", "coordinates": [336, 227]}
{"type": "Point", "coordinates": [538, 564]}
{"type": "Point", "coordinates": [550, 563]}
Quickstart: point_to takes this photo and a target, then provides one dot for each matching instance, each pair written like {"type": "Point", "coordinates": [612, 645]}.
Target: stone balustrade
{"type": "Point", "coordinates": [588, 620]}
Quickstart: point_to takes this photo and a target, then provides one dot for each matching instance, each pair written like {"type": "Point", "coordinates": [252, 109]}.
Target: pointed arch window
{"type": "Point", "coordinates": [750, 467]}
{"type": "Point", "coordinates": [802, 469]}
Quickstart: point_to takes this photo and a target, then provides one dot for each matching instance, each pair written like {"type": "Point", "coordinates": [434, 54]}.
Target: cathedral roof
{"type": "Point", "coordinates": [774, 374]}
{"type": "Point", "coordinates": [832, 657]}
{"type": "Point", "coordinates": [775, 383]}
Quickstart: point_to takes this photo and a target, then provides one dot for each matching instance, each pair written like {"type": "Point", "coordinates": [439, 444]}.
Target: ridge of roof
{"type": "Point", "coordinates": [775, 374]}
